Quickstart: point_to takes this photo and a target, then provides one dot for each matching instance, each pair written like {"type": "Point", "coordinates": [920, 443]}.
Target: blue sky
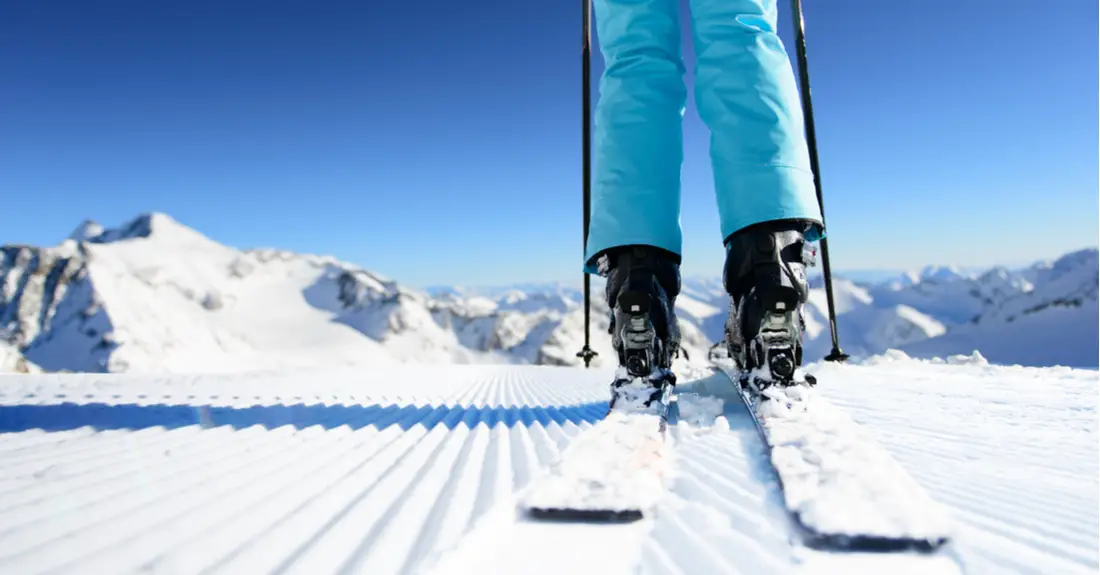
{"type": "Point", "coordinates": [439, 141]}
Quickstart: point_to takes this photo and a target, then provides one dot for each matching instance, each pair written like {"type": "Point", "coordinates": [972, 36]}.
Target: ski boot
{"type": "Point", "coordinates": [765, 277]}
{"type": "Point", "coordinates": [642, 285]}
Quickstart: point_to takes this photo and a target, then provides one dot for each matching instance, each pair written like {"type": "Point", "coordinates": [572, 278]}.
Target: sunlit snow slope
{"type": "Point", "coordinates": [11, 361]}
{"type": "Point", "coordinates": [155, 296]}
{"type": "Point", "coordinates": [411, 469]}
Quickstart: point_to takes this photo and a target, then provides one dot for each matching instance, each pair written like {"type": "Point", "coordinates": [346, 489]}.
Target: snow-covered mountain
{"type": "Point", "coordinates": [156, 296]}
{"type": "Point", "coordinates": [11, 361]}
{"type": "Point", "coordinates": [865, 327]}
{"type": "Point", "coordinates": [1043, 315]}
{"type": "Point", "coordinates": [949, 295]}
{"type": "Point", "coordinates": [1053, 322]}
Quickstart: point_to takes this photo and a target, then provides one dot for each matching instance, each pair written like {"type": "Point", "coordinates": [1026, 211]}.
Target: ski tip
{"type": "Point", "coordinates": [573, 515]}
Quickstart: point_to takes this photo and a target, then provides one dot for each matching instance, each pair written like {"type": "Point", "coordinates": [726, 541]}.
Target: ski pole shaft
{"type": "Point", "coordinates": [811, 142]}
{"type": "Point", "coordinates": [586, 169]}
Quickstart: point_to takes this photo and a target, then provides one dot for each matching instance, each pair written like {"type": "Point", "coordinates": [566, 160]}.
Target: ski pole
{"type": "Point", "coordinates": [811, 141]}
{"type": "Point", "coordinates": [586, 352]}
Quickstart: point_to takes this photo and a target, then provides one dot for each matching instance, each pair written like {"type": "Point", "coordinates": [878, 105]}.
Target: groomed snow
{"type": "Point", "coordinates": [403, 469]}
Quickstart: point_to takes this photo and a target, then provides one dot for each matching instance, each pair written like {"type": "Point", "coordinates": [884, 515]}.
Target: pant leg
{"type": "Point", "coordinates": [747, 96]}
{"type": "Point", "coordinates": [637, 139]}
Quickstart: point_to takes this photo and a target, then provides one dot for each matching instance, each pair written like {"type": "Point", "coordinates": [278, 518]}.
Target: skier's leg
{"type": "Point", "coordinates": [637, 141]}
{"type": "Point", "coordinates": [746, 93]}
{"type": "Point", "coordinates": [634, 236]}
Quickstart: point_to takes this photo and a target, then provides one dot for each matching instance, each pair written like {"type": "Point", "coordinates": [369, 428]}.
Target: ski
{"type": "Point", "coordinates": [615, 471]}
{"type": "Point", "coordinates": [842, 490]}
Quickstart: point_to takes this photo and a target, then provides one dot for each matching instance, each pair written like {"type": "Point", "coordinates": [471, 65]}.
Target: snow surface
{"type": "Point", "coordinates": [403, 469]}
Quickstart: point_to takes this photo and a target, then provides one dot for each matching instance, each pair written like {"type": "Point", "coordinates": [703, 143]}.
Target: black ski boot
{"type": "Point", "coordinates": [765, 276]}
{"type": "Point", "coordinates": [642, 285]}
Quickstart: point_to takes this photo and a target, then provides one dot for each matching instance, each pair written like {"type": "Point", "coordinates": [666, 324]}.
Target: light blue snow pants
{"type": "Point", "coordinates": [747, 96]}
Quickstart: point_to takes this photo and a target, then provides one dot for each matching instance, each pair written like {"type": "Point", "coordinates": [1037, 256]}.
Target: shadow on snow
{"type": "Point", "coordinates": [102, 416]}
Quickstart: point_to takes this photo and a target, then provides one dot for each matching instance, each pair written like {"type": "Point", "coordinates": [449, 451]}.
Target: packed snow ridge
{"type": "Point", "coordinates": [153, 295]}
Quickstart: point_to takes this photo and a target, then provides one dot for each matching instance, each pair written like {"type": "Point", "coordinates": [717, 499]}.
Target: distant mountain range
{"type": "Point", "coordinates": [156, 296]}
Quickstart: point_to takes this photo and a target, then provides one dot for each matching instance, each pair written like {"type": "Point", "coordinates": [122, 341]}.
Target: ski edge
{"type": "Point", "coordinates": [575, 515]}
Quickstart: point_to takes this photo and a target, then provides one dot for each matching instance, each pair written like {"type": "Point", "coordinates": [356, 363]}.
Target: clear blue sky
{"type": "Point", "coordinates": [438, 141]}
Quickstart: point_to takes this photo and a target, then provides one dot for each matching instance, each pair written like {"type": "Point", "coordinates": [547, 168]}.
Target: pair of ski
{"type": "Point", "coordinates": [841, 489]}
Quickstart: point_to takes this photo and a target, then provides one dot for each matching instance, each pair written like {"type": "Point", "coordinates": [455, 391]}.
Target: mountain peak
{"type": "Point", "coordinates": [941, 273]}
{"type": "Point", "coordinates": [139, 227]}
{"type": "Point", "coordinates": [86, 231]}
{"type": "Point", "coordinates": [148, 225]}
